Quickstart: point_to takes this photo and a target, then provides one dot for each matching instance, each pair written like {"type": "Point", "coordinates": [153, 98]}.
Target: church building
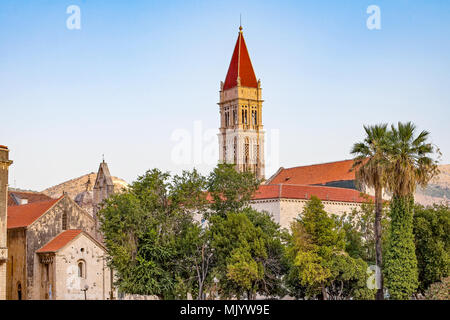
{"type": "Point", "coordinates": [241, 142]}
{"type": "Point", "coordinates": [53, 253]}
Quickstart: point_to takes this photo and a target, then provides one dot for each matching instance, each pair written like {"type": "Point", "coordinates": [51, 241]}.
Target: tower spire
{"type": "Point", "coordinates": [240, 66]}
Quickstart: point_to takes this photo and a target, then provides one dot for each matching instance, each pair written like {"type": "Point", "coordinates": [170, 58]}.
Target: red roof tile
{"type": "Point", "coordinates": [26, 214]}
{"type": "Point", "coordinates": [3, 147]}
{"type": "Point", "coordinates": [59, 241]}
{"type": "Point", "coordinates": [29, 195]}
{"type": "Point", "coordinates": [289, 191]}
{"type": "Point", "coordinates": [240, 66]}
{"type": "Point", "coordinates": [316, 174]}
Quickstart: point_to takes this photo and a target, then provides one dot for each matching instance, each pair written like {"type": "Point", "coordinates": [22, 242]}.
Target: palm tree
{"type": "Point", "coordinates": [370, 165]}
{"type": "Point", "coordinates": [410, 165]}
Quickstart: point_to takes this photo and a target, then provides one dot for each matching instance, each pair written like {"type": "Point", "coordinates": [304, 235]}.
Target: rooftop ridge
{"type": "Point", "coordinates": [318, 164]}
{"type": "Point", "coordinates": [73, 179]}
{"type": "Point", "coordinates": [309, 185]}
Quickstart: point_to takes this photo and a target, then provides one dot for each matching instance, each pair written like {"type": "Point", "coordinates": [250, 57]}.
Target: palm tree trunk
{"type": "Point", "coordinates": [378, 250]}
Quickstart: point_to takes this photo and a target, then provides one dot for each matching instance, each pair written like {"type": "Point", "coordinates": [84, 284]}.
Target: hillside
{"type": "Point", "coordinates": [438, 190]}
{"type": "Point", "coordinates": [75, 186]}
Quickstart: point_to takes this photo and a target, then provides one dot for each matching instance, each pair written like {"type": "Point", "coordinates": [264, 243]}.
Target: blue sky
{"type": "Point", "coordinates": [138, 71]}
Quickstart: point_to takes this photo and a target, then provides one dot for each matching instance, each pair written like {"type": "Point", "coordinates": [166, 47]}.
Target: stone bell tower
{"type": "Point", "coordinates": [4, 165]}
{"type": "Point", "coordinates": [241, 137]}
{"type": "Point", "coordinates": [103, 188]}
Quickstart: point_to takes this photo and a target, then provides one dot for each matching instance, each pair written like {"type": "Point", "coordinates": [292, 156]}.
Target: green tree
{"type": "Point", "coordinates": [432, 241]}
{"type": "Point", "coordinates": [239, 248]}
{"type": "Point", "coordinates": [146, 230]}
{"type": "Point", "coordinates": [249, 253]}
{"type": "Point", "coordinates": [275, 265]}
{"type": "Point", "coordinates": [370, 164]}
{"type": "Point", "coordinates": [358, 226]}
{"type": "Point", "coordinates": [320, 267]}
{"type": "Point", "coordinates": [230, 190]}
{"type": "Point", "coordinates": [410, 164]}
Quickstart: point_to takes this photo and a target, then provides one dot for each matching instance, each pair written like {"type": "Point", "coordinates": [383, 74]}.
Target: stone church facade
{"type": "Point", "coordinates": [52, 248]}
{"type": "Point", "coordinates": [39, 269]}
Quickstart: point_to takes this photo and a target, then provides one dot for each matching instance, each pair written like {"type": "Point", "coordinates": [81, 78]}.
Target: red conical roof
{"type": "Point", "coordinates": [240, 66]}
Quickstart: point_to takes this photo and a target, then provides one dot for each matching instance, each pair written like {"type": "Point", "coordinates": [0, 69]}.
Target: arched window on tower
{"type": "Point", "coordinates": [235, 150]}
{"type": "Point", "coordinates": [247, 153]}
{"type": "Point", "coordinates": [257, 155]}
{"type": "Point", "coordinates": [224, 152]}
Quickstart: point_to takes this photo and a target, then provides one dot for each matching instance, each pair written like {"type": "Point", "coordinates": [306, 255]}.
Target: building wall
{"type": "Point", "coordinates": [285, 211]}
{"type": "Point", "coordinates": [4, 165]}
{"type": "Point", "coordinates": [46, 281]}
{"type": "Point", "coordinates": [46, 228]}
{"type": "Point", "coordinates": [98, 276]}
{"type": "Point", "coordinates": [270, 205]}
{"type": "Point", "coordinates": [16, 267]}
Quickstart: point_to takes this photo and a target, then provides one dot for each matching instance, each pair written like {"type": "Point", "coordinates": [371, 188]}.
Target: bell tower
{"type": "Point", "coordinates": [4, 165]}
{"type": "Point", "coordinates": [241, 137]}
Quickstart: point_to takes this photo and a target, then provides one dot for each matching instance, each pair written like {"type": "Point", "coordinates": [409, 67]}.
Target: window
{"type": "Point", "coordinates": [247, 151]}
{"type": "Point", "coordinates": [81, 269]}
{"type": "Point", "coordinates": [19, 291]}
{"type": "Point", "coordinates": [235, 150]}
{"type": "Point", "coordinates": [257, 154]}
{"type": "Point", "coordinates": [64, 220]}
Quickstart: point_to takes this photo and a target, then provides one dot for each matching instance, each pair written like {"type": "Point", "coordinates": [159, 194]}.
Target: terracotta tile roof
{"type": "Point", "coordinates": [288, 191]}
{"type": "Point", "coordinates": [240, 66]}
{"type": "Point", "coordinates": [3, 147]}
{"type": "Point", "coordinates": [59, 241]}
{"type": "Point", "coordinates": [11, 200]}
{"type": "Point", "coordinates": [315, 174]}
{"type": "Point", "coordinates": [14, 196]}
{"type": "Point", "coordinates": [26, 214]}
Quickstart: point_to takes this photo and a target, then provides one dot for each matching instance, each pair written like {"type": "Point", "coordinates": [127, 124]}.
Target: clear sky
{"type": "Point", "coordinates": [138, 73]}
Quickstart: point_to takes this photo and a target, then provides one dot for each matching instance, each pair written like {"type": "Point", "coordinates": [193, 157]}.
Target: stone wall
{"type": "Point", "coordinates": [284, 211]}
{"type": "Point", "coordinates": [16, 271]}
{"type": "Point", "coordinates": [4, 165]}
{"type": "Point", "coordinates": [97, 274]}
{"type": "Point", "coordinates": [46, 228]}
